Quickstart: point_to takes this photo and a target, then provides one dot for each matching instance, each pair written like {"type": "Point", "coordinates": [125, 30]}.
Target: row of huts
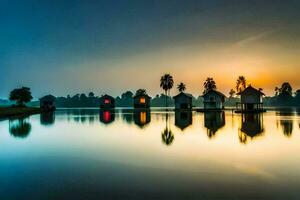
{"type": "Point", "coordinates": [251, 100]}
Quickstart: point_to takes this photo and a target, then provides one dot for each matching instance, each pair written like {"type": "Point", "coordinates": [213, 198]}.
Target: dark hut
{"type": "Point", "coordinates": [107, 102]}
{"type": "Point", "coordinates": [183, 101]}
{"type": "Point", "coordinates": [213, 100]}
{"type": "Point", "coordinates": [47, 103]}
{"type": "Point", "coordinates": [251, 100]}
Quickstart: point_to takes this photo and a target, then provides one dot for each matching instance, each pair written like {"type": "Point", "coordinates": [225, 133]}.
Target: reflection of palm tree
{"type": "Point", "coordinates": [167, 135]}
{"type": "Point", "coordinates": [181, 87]}
{"type": "Point", "coordinates": [19, 128]}
{"type": "Point", "coordinates": [166, 83]}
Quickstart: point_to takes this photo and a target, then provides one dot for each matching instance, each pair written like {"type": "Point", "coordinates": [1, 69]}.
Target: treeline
{"type": "Point", "coordinates": [125, 100]}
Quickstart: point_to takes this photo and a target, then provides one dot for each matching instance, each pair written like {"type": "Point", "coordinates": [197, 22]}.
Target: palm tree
{"type": "Point", "coordinates": [240, 83]}
{"type": "Point", "coordinates": [209, 84]}
{"type": "Point", "coordinates": [181, 87]}
{"type": "Point", "coordinates": [166, 83]}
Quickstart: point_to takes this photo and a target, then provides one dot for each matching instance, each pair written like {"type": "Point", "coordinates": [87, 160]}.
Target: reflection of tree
{"type": "Point", "coordinates": [284, 121]}
{"type": "Point", "coordinates": [287, 127]}
{"type": "Point", "coordinates": [19, 127]}
{"type": "Point", "coordinates": [167, 134]}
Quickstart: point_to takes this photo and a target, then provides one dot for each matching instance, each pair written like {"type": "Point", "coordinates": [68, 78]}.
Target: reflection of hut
{"type": "Point", "coordinates": [251, 100]}
{"type": "Point", "coordinates": [47, 103]}
{"type": "Point", "coordinates": [142, 117]}
{"type": "Point", "coordinates": [107, 102]}
{"type": "Point", "coordinates": [47, 118]}
{"type": "Point", "coordinates": [141, 101]}
{"type": "Point", "coordinates": [19, 127]}
{"type": "Point", "coordinates": [213, 121]}
{"type": "Point", "coordinates": [213, 100]}
{"type": "Point", "coordinates": [252, 124]}
{"type": "Point", "coordinates": [107, 116]}
{"type": "Point", "coordinates": [183, 119]}
{"type": "Point", "coordinates": [183, 101]}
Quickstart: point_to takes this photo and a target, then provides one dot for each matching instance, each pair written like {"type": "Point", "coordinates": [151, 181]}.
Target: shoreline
{"type": "Point", "coordinates": [7, 112]}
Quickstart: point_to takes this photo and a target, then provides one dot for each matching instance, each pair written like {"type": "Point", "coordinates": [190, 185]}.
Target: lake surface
{"type": "Point", "coordinates": [127, 154]}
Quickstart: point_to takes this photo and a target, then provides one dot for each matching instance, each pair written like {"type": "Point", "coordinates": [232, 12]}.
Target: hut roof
{"type": "Point", "coordinates": [107, 96]}
{"type": "Point", "coordinates": [250, 90]}
{"type": "Point", "coordinates": [214, 91]}
{"type": "Point", "coordinates": [142, 95]}
{"type": "Point", "coordinates": [183, 94]}
{"type": "Point", "coordinates": [48, 98]}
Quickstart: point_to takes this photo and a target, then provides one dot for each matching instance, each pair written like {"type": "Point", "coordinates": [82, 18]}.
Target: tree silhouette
{"type": "Point", "coordinates": [181, 87]}
{"type": "Point", "coordinates": [209, 84]}
{"type": "Point", "coordinates": [167, 134]}
{"type": "Point", "coordinates": [21, 128]}
{"type": "Point", "coordinates": [141, 92]}
{"type": "Point", "coordinates": [277, 90]}
{"type": "Point", "coordinates": [231, 93]}
{"type": "Point", "coordinates": [166, 83]}
{"type": "Point", "coordinates": [21, 96]}
{"type": "Point", "coordinates": [91, 94]}
{"type": "Point", "coordinates": [286, 88]}
{"type": "Point", "coordinates": [241, 83]}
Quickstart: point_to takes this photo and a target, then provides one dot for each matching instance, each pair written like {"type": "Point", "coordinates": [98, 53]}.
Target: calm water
{"type": "Point", "coordinates": [87, 154]}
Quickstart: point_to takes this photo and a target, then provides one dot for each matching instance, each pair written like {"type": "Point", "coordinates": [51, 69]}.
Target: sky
{"type": "Point", "coordinates": [63, 47]}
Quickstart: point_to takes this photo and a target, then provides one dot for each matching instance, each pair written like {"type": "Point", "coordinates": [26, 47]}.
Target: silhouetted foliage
{"type": "Point", "coordinates": [21, 96]}
{"type": "Point", "coordinates": [19, 128]}
{"type": "Point", "coordinates": [209, 84]}
{"type": "Point", "coordinates": [166, 83]}
{"type": "Point", "coordinates": [181, 87]}
{"type": "Point", "coordinates": [241, 83]}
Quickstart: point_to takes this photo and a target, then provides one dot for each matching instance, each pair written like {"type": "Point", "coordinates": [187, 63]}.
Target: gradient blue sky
{"type": "Point", "coordinates": [68, 47]}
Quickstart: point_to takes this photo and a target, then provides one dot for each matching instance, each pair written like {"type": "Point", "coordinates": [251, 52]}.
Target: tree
{"type": "Point", "coordinates": [181, 87]}
{"type": "Point", "coordinates": [286, 88]}
{"type": "Point", "coordinates": [231, 93]}
{"type": "Point", "coordinates": [21, 96]}
{"type": "Point", "coordinates": [166, 83]}
{"type": "Point", "coordinates": [209, 84]}
{"type": "Point", "coordinates": [241, 83]}
{"type": "Point", "coordinates": [141, 92]}
{"type": "Point", "coordinates": [91, 94]}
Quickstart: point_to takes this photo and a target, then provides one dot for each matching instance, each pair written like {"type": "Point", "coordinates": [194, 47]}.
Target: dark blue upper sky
{"type": "Point", "coordinates": [64, 47]}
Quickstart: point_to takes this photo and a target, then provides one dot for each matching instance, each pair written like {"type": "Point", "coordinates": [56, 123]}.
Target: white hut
{"type": "Point", "coordinates": [183, 101]}
{"type": "Point", "coordinates": [213, 100]}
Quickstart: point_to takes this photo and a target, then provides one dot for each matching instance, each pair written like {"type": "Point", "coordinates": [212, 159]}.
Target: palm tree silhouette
{"type": "Point", "coordinates": [166, 83]}
{"type": "Point", "coordinates": [181, 87]}
{"type": "Point", "coordinates": [209, 84]}
{"type": "Point", "coordinates": [240, 83]}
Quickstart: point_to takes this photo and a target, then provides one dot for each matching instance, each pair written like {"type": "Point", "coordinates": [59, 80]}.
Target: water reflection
{"type": "Point", "coordinates": [167, 134]}
{"type": "Point", "coordinates": [19, 128]}
{"type": "Point", "coordinates": [47, 118]}
{"type": "Point", "coordinates": [142, 117]}
{"type": "Point", "coordinates": [285, 121]}
{"type": "Point", "coordinates": [107, 116]}
{"type": "Point", "coordinates": [213, 121]}
{"type": "Point", "coordinates": [183, 119]}
{"type": "Point", "coordinates": [251, 126]}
